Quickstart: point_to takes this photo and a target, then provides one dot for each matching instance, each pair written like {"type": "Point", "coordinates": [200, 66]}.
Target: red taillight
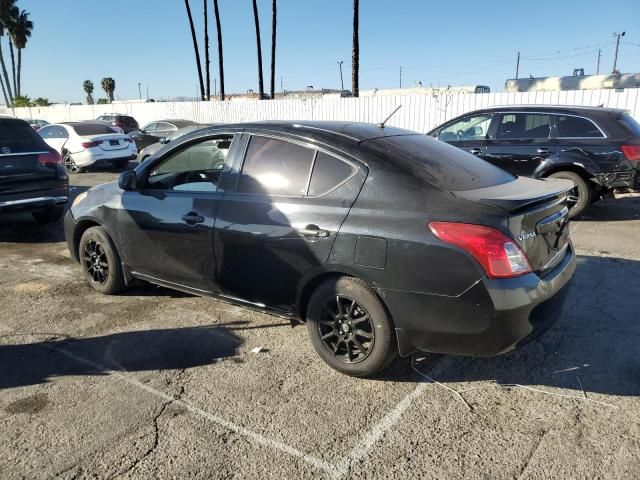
{"type": "Point", "coordinates": [632, 152]}
{"type": "Point", "coordinates": [89, 144]}
{"type": "Point", "coordinates": [51, 158]}
{"type": "Point", "coordinates": [119, 123]}
{"type": "Point", "coordinates": [498, 254]}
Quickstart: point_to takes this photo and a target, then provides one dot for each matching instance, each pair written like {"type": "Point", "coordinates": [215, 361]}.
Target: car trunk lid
{"type": "Point", "coordinates": [115, 141]}
{"type": "Point", "coordinates": [537, 216]}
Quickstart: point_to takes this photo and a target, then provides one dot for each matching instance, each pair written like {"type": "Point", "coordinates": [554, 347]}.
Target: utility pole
{"type": "Point", "coordinates": [400, 77]}
{"type": "Point", "coordinates": [139, 91]}
{"type": "Point", "coordinates": [518, 64]}
{"type": "Point", "coordinates": [147, 92]}
{"type": "Point", "coordinates": [341, 80]}
{"type": "Point", "coordinates": [615, 57]}
{"type": "Point", "coordinates": [598, 67]}
{"type": "Point", "coordinates": [215, 87]}
{"type": "Point", "coordinates": [282, 84]}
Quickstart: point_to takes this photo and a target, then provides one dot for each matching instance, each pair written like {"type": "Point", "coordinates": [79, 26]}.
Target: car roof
{"type": "Point", "coordinates": [88, 122]}
{"type": "Point", "coordinates": [355, 132]}
{"type": "Point", "coordinates": [579, 109]}
{"type": "Point", "coordinates": [177, 122]}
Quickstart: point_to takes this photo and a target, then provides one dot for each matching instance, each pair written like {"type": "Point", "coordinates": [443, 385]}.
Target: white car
{"type": "Point", "coordinates": [88, 144]}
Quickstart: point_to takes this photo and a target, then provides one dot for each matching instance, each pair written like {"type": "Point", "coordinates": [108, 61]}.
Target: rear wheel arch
{"type": "Point", "coordinates": [568, 167]}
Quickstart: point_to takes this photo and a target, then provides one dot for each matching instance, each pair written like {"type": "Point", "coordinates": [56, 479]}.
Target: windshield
{"type": "Point", "coordinates": [440, 164]}
{"type": "Point", "coordinates": [93, 129]}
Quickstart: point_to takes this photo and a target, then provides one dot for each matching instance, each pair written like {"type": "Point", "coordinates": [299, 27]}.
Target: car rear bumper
{"type": "Point", "coordinates": [87, 159]}
{"type": "Point", "coordinates": [32, 201]}
{"type": "Point", "coordinates": [492, 317]}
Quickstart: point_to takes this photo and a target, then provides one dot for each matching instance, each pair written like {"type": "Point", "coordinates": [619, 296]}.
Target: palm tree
{"type": "Point", "coordinates": [41, 102]}
{"type": "Point", "coordinates": [355, 53]}
{"type": "Point", "coordinates": [195, 48]}
{"type": "Point", "coordinates": [257, 22]}
{"type": "Point", "coordinates": [14, 13]}
{"type": "Point", "coordinates": [274, 20]}
{"type": "Point", "coordinates": [220, 60]}
{"type": "Point", "coordinates": [22, 101]}
{"type": "Point", "coordinates": [206, 48]}
{"type": "Point", "coordinates": [21, 32]}
{"type": "Point", "coordinates": [108, 85]}
{"type": "Point", "coordinates": [87, 86]}
{"type": "Point", "coordinates": [6, 7]}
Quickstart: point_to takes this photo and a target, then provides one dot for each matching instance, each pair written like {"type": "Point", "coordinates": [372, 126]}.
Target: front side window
{"type": "Point", "coordinates": [276, 167]}
{"type": "Point", "coordinates": [523, 126]}
{"type": "Point", "coordinates": [152, 127]}
{"type": "Point", "coordinates": [165, 127]}
{"type": "Point", "coordinates": [196, 168]}
{"type": "Point", "coordinates": [576, 127]}
{"type": "Point", "coordinates": [474, 127]}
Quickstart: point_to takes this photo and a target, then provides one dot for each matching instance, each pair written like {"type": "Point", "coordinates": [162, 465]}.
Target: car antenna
{"type": "Point", "coordinates": [381, 124]}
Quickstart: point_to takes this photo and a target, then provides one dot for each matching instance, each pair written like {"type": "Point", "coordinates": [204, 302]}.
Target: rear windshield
{"type": "Point", "coordinates": [442, 165]}
{"type": "Point", "coordinates": [19, 137]}
{"type": "Point", "coordinates": [631, 124]}
{"type": "Point", "coordinates": [93, 129]}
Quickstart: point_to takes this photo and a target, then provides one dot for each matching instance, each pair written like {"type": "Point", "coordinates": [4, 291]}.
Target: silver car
{"type": "Point", "coordinates": [145, 153]}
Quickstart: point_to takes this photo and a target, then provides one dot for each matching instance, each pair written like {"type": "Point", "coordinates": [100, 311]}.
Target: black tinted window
{"type": "Point", "coordinates": [276, 167]}
{"type": "Point", "coordinates": [18, 136]}
{"type": "Point", "coordinates": [523, 126]}
{"type": "Point", "coordinates": [93, 129]}
{"type": "Point", "coordinates": [328, 173]}
{"type": "Point", "coordinates": [576, 127]}
{"type": "Point", "coordinates": [442, 165]}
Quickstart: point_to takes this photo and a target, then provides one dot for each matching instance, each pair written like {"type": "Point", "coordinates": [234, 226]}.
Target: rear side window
{"type": "Point", "coordinates": [17, 137]}
{"type": "Point", "coordinates": [328, 173]}
{"type": "Point", "coordinates": [523, 126]}
{"type": "Point", "coordinates": [631, 124]}
{"type": "Point", "coordinates": [442, 165]}
{"type": "Point", "coordinates": [276, 167]}
{"type": "Point", "coordinates": [576, 127]}
{"type": "Point", "coordinates": [93, 129]}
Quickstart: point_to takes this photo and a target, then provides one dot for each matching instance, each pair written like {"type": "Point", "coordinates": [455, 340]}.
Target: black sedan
{"type": "Point", "coordinates": [596, 148]}
{"type": "Point", "coordinates": [382, 240]}
{"type": "Point", "coordinates": [156, 131]}
{"type": "Point", "coordinates": [32, 178]}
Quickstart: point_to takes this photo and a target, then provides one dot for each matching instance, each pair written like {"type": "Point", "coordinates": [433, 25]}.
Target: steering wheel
{"type": "Point", "coordinates": [460, 134]}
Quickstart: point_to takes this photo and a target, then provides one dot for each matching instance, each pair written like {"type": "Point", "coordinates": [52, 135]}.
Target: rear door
{"type": "Point", "coordinates": [520, 142]}
{"type": "Point", "coordinates": [281, 222]}
{"type": "Point", "coordinates": [470, 133]}
{"type": "Point", "coordinates": [166, 225]}
{"type": "Point", "coordinates": [24, 165]}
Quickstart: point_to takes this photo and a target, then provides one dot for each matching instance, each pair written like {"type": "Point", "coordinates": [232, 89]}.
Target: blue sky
{"type": "Point", "coordinates": [439, 43]}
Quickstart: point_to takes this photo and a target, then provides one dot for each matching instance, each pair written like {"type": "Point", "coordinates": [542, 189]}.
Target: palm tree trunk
{"type": "Point", "coordinates": [19, 70]}
{"type": "Point", "coordinates": [206, 48]}
{"type": "Point", "coordinates": [7, 84]}
{"type": "Point", "coordinates": [355, 53]}
{"type": "Point", "coordinates": [220, 60]}
{"type": "Point", "coordinates": [4, 92]}
{"type": "Point", "coordinates": [257, 22]}
{"type": "Point", "coordinates": [274, 21]}
{"type": "Point", "coordinates": [13, 68]}
{"type": "Point", "coordinates": [195, 48]}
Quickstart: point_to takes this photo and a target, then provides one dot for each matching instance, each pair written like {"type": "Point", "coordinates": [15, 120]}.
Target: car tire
{"type": "Point", "coordinates": [583, 192]}
{"type": "Point", "coordinates": [344, 312]}
{"type": "Point", "coordinates": [100, 261]}
{"type": "Point", "coordinates": [51, 215]}
{"type": "Point", "coordinates": [69, 165]}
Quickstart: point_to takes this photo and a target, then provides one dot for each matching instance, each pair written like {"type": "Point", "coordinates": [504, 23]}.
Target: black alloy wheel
{"type": "Point", "coordinates": [96, 262]}
{"type": "Point", "coordinates": [346, 329]}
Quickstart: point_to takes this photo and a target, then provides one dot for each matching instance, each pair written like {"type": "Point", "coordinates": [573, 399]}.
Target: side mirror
{"type": "Point", "coordinates": [164, 140]}
{"type": "Point", "coordinates": [127, 180]}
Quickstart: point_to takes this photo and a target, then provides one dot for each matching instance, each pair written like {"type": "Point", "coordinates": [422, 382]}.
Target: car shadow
{"type": "Point", "coordinates": [135, 351]}
{"type": "Point", "coordinates": [594, 346]}
{"type": "Point", "coordinates": [611, 210]}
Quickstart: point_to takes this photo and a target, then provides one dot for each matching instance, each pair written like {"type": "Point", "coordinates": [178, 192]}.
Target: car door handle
{"type": "Point", "coordinates": [543, 151]}
{"type": "Point", "coordinates": [313, 231]}
{"type": "Point", "coordinates": [192, 218]}
{"type": "Point", "coordinates": [476, 151]}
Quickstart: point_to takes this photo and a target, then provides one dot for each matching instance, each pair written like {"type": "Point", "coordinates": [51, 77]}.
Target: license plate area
{"type": "Point", "coordinates": [114, 143]}
{"type": "Point", "coordinates": [555, 231]}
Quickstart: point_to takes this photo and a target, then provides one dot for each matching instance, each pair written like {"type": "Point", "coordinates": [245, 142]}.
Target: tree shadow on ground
{"type": "Point", "coordinates": [594, 346]}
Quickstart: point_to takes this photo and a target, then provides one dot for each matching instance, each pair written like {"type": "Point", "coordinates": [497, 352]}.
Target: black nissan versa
{"type": "Point", "coordinates": [382, 240]}
{"type": "Point", "coordinates": [32, 178]}
{"type": "Point", "coordinates": [596, 148]}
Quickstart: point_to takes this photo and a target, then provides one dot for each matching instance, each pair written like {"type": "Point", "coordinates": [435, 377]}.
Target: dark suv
{"type": "Point", "coordinates": [597, 148]}
{"type": "Point", "coordinates": [125, 122]}
{"type": "Point", "coordinates": [32, 178]}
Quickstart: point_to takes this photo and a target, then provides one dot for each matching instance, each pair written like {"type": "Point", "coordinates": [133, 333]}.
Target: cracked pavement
{"type": "Point", "coordinates": [158, 384]}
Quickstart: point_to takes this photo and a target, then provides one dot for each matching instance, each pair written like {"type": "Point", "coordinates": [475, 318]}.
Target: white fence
{"type": "Point", "coordinates": [418, 112]}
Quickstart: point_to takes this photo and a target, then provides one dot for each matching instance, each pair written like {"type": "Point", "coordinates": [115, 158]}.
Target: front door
{"type": "Point", "coordinates": [470, 133]}
{"type": "Point", "coordinates": [167, 224]}
{"type": "Point", "coordinates": [520, 142]}
{"type": "Point", "coordinates": [283, 220]}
